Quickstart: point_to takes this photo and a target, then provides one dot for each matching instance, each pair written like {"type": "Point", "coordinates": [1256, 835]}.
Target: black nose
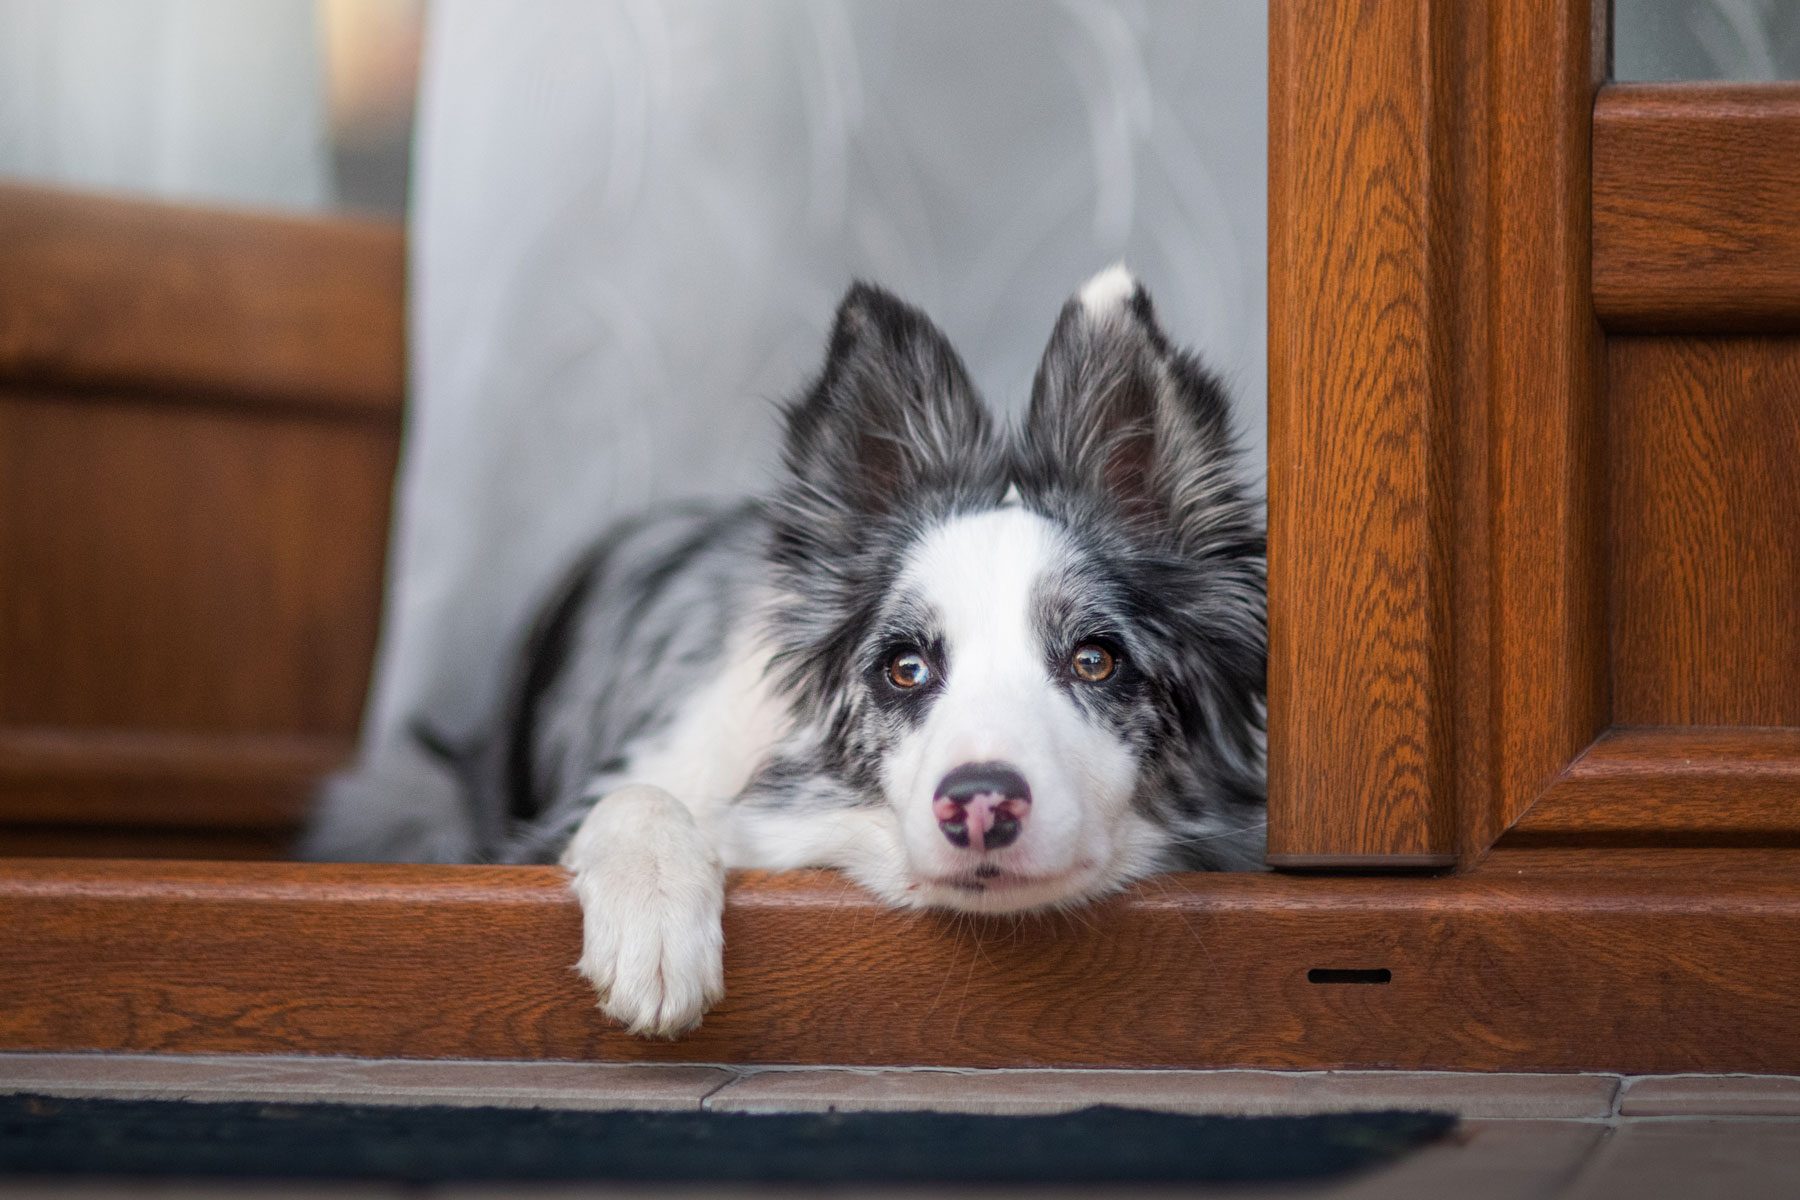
{"type": "Point", "coordinates": [972, 779]}
{"type": "Point", "coordinates": [982, 805]}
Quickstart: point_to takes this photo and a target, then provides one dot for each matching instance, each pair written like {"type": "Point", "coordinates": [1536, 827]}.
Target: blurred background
{"type": "Point", "coordinates": [304, 105]}
{"type": "Point", "coordinates": [265, 264]}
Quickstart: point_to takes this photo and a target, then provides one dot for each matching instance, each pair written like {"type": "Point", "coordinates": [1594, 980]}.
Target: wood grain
{"type": "Point", "coordinates": [187, 569]}
{"type": "Point", "coordinates": [1705, 436]}
{"type": "Point", "coordinates": [1695, 787]}
{"type": "Point", "coordinates": [199, 421]}
{"type": "Point", "coordinates": [116, 293]}
{"type": "Point", "coordinates": [1697, 207]}
{"type": "Point", "coordinates": [1546, 405]}
{"type": "Point", "coordinates": [1640, 972]}
{"type": "Point", "coordinates": [1363, 209]}
{"type": "Point", "coordinates": [1437, 569]}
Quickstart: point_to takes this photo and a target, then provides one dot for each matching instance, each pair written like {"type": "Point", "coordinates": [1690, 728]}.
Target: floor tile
{"type": "Point", "coordinates": [1471, 1095]}
{"type": "Point", "coordinates": [1483, 1160]}
{"type": "Point", "coordinates": [1711, 1096]}
{"type": "Point", "coordinates": [1694, 1160]}
{"type": "Point", "coordinates": [360, 1081]}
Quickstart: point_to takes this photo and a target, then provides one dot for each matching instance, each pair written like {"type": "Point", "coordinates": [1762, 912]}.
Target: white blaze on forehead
{"type": "Point", "coordinates": [1108, 291]}
{"type": "Point", "coordinates": [979, 572]}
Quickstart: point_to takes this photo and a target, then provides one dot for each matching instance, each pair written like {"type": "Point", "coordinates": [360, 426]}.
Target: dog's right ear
{"type": "Point", "coordinates": [892, 411]}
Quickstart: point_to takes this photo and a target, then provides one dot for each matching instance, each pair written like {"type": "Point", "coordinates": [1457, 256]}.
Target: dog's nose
{"type": "Point", "coordinates": [982, 805]}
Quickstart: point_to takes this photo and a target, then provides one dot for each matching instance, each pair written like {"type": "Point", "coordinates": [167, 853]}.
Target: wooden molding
{"type": "Point", "coordinates": [1697, 207]}
{"type": "Point", "coordinates": [1651, 970]}
{"type": "Point", "coordinates": [1699, 786]}
{"type": "Point", "coordinates": [1436, 523]}
{"type": "Point", "coordinates": [1365, 216]}
{"type": "Point", "coordinates": [129, 294]}
{"type": "Point", "coordinates": [147, 779]}
{"type": "Point", "coordinates": [1548, 634]}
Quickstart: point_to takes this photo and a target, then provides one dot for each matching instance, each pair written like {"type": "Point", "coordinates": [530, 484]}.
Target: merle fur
{"type": "Point", "coordinates": [1127, 444]}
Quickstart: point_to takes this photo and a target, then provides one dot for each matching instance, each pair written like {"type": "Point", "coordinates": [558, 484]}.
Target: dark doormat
{"type": "Point", "coordinates": [42, 1135]}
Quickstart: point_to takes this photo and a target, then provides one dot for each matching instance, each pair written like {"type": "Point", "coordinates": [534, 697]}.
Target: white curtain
{"type": "Point", "coordinates": [204, 100]}
{"type": "Point", "coordinates": [632, 220]}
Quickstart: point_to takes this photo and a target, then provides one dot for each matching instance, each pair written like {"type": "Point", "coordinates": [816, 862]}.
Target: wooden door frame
{"type": "Point", "coordinates": [1436, 609]}
{"type": "Point", "coordinates": [1461, 208]}
{"type": "Point", "coordinates": [1437, 673]}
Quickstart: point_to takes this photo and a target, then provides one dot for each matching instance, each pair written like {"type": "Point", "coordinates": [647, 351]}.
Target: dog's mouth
{"type": "Point", "coordinates": [987, 879]}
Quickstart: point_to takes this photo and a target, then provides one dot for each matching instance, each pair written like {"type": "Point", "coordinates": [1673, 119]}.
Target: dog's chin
{"type": "Point", "coordinates": [1010, 892]}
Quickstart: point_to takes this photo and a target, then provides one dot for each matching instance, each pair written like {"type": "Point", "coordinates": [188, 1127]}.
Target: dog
{"type": "Point", "coordinates": [976, 668]}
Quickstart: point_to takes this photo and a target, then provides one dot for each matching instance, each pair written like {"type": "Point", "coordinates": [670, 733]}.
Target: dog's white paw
{"type": "Point", "coordinates": [652, 897]}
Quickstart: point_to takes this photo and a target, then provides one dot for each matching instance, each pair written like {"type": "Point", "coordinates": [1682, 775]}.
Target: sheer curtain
{"type": "Point", "coordinates": [632, 220]}
{"type": "Point", "coordinates": [209, 100]}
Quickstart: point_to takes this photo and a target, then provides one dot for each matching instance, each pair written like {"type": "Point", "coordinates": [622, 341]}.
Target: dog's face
{"type": "Point", "coordinates": [1042, 649]}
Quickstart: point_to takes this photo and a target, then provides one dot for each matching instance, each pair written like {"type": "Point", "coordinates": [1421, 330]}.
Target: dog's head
{"type": "Point", "coordinates": [1043, 647]}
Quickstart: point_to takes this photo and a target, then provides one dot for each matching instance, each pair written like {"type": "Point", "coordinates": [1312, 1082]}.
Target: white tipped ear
{"type": "Point", "coordinates": [1117, 409]}
{"type": "Point", "coordinates": [1107, 292]}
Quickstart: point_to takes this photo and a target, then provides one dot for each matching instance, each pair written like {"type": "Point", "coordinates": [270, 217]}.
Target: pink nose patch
{"type": "Point", "coordinates": [983, 821]}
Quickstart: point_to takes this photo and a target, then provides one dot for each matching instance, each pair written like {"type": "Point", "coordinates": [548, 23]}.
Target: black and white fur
{"type": "Point", "coordinates": [710, 688]}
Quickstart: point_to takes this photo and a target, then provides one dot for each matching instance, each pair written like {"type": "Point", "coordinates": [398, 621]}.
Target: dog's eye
{"type": "Point", "coordinates": [1093, 663]}
{"type": "Point", "coordinates": [908, 669]}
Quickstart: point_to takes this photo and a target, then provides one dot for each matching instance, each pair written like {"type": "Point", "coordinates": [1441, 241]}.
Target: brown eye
{"type": "Point", "coordinates": [908, 669]}
{"type": "Point", "coordinates": [1093, 663]}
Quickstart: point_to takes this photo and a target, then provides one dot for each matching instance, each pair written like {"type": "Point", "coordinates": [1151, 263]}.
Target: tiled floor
{"type": "Point", "coordinates": [1584, 1137]}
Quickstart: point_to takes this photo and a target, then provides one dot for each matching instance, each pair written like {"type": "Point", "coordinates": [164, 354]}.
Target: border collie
{"type": "Point", "coordinates": [976, 668]}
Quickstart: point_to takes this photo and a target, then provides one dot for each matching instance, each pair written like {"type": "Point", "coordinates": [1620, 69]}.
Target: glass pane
{"type": "Point", "coordinates": [294, 104]}
{"type": "Point", "coordinates": [1743, 40]}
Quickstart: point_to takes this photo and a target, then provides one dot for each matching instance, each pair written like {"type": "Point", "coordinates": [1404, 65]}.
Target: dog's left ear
{"type": "Point", "coordinates": [1118, 411]}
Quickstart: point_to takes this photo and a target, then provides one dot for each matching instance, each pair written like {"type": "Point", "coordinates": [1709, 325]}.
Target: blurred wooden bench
{"type": "Point", "coordinates": [199, 419]}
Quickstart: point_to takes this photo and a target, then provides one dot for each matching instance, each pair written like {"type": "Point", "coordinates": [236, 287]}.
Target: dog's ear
{"type": "Point", "coordinates": [892, 410]}
{"type": "Point", "coordinates": [1119, 412]}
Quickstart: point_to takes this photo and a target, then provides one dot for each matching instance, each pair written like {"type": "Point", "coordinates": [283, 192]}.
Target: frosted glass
{"type": "Point", "coordinates": [1672, 40]}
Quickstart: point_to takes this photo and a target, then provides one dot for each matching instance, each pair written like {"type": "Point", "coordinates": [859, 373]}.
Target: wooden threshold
{"type": "Point", "coordinates": [1509, 968]}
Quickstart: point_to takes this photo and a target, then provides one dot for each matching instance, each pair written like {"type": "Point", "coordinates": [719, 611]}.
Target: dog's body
{"type": "Point", "coordinates": [986, 670]}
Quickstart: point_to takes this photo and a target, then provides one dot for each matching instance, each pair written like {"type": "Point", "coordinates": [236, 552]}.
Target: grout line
{"type": "Point", "coordinates": [704, 1104]}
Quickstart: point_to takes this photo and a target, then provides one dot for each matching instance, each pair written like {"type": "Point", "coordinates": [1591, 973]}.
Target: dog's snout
{"type": "Point", "coordinates": [982, 805]}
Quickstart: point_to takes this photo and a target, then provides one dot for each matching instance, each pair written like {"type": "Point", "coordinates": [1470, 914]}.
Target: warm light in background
{"type": "Point", "coordinates": [372, 70]}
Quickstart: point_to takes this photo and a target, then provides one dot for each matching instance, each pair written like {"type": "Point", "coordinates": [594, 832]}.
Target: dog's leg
{"type": "Point", "coordinates": [652, 894]}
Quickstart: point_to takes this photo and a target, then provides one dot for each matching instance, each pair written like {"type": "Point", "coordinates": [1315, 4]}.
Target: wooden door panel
{"type": "Point", "coordinates": [199, 419]}
{"type": "Point", "coordinates": [1697, 279]}
{"type": "Point", "coordinates": [1529, 568]}
{"type": "Point", "coordinates": [1705, 452]}
{"type": "Point", "coordinates": [113, 511]}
